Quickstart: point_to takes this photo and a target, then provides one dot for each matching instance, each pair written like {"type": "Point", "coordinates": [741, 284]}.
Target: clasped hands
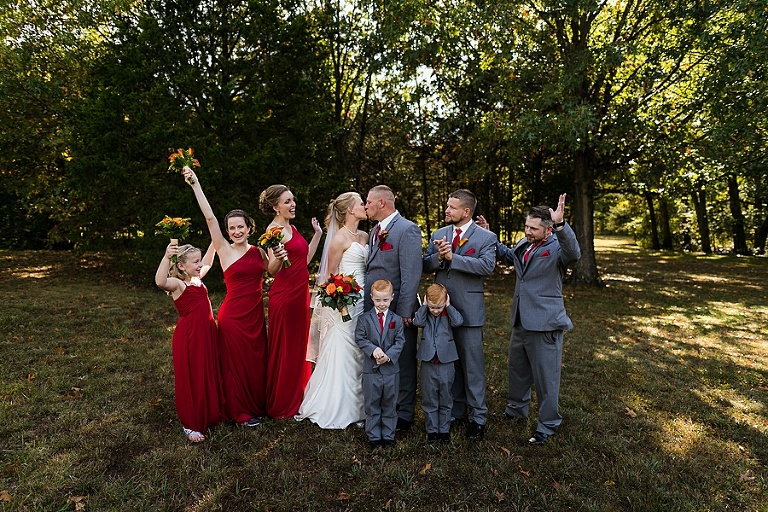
{"type": "Point", "coordinates": [380, 356]}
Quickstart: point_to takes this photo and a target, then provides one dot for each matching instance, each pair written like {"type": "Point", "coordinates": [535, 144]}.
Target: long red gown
{"type": "Point", "coordinates": [243, 337]}
{"type": "Point", "coordinates": [288, 370]}
{"type": "Point", "coordinates": [196, 369]}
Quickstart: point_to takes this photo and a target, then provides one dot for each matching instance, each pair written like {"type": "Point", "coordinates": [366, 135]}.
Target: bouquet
{"type": "Point", "coordinates": [271, 239]}
{"type": "Point", "coordinates": [183, 158]}
{"type": "Point", "coordinates": [174, 228]}
{"type": "Point", "coordinates": [340, 291]}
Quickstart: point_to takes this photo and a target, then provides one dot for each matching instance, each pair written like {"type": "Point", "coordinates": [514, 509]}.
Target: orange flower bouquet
{"type": "Point", "coordinates": [183, 158]}
{"type": "Point", "coordinates": [271, 239]}
{"type": "Point", "coordinates": [340, 291]}
{"type": "Point", "coordinates": [174, 228]}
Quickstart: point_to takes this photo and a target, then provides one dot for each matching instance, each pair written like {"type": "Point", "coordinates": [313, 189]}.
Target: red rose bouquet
{"type": "Point", "coordinates": [340, 291]}
{"type": "Point", "coordinates": [271, 239]}
{"type": "Point", "coordinates": [183, 158]}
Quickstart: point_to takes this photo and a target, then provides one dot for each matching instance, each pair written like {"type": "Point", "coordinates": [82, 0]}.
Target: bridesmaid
{"type": "Point", "coordinates": [287, 369]}
{"type": "Point", "coordinates": [242, 330]}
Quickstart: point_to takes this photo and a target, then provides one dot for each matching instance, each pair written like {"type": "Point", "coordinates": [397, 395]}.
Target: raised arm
{"type": "Point", "coordinates": [315, 240]}
{"type": "Point", "coordinates": [207, 260]}
{"type": "Point", "coordinates": [165, 283]}
{"type": "Point", "coordinates": [217, 238]}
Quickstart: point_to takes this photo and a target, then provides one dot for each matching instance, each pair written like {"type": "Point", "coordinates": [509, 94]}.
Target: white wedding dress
{"type": "Point", "coordinates": [333, 397]}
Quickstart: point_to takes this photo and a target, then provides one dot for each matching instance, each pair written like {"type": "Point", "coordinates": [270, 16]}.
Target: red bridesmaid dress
{"type": "Point", "coordinates": [288, 370]}
{"type": "Point", "coordinates": [196, 370]}
{"type": "Point", "coordinates": [243, 337]}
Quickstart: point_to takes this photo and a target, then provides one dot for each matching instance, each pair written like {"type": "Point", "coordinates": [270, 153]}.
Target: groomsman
{"type": "Point", "coordinates": [461, 254]}
{"type": "Point", "coordinates": [538, 315]}
{"type": "Point", "coordinates": [395, 255]}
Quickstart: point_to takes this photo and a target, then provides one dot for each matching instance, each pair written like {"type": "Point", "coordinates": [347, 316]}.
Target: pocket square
{"type": "Point", "coordinates": [385, 246]}
{"type": "Point", "coordinates": [470, 251]}
{"type": "Point", "coordinates": [391, 325]}
{"type": "Point", "coordinates": [545, 253]}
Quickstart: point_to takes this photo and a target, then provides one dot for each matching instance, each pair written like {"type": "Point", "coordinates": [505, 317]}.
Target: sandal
{"type": "Point", "coordinates": [194, 436]}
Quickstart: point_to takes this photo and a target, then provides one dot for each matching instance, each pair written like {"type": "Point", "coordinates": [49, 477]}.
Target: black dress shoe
{"type": "Point", "coordinates": [432, 437]}
{"type": "Point", "coordinates": [374, 444]}
{"type": "Point", "coordinates": [403, 425]}
{"type": "Point", "coordinates": [508, 417]}
{"type": "Point", "coordinates": [388, 443]}
{"type": "Point", "coordinates": [253, 422]}
{"type": "Point", "coordinates": [444, 437]}
{"type": "Point", "coordinates": [539, 438]}
{"type": "Point", "coordinates": [475, 431]}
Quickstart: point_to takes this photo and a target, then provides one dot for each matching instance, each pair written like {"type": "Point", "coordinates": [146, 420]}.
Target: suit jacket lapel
{"type": "Point", "coordinates": [468, 235]}
{"type": "Point", "coordinates": [378, 241]}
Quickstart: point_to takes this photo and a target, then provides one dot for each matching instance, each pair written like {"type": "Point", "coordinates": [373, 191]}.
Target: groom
{"type": "Point", "coordinates": [395, 255]}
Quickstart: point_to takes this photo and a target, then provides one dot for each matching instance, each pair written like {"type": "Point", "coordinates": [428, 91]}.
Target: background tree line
{"type": "Point", "coordinates": [651, 114]}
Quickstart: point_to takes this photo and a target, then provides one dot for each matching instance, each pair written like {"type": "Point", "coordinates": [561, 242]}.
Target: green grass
{"type": "Point", "coordinates": [664, 398]}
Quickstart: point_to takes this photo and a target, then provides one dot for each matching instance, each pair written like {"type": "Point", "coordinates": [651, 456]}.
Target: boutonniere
{"type": "Point", "coordinates": [383, 237]}
{"type": "Point", "coordinates": [463, 241]}
{"type": "Point", "coordinates": [391, 325]}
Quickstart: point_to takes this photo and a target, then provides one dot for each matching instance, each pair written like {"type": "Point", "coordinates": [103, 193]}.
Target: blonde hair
{"type": "Point", "coordinates": [382, 285]}
{"type": "Point", "coordinates": [337, 209]}
{"type": "Point", "coordinates": [181, 256]}
{"type": "Point", "coordinates": [436, 293]}
{"type": "Point", "coordinates": [269, 198]}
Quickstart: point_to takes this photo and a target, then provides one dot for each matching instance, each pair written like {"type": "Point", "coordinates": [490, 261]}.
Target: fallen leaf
{"type": "Point", "coordinates": [387, 504]}
{"type": "Point", "coordinates": [425, 469]}
{"type": "Point", "coordinates": [79, 501]}
{"type": "Point", "coordinates": [73, 394]}
{"type": "Point", "coordinates": [746, 477]}
{"type": "Point", "coordinates": [610, 482]}
{"type": "Point", "coordinates": [5, 496]}
{"type": "Point", "coordinates": [499, 496]}
{"type": "Point", "coordinates": [155, 402]}
{"type": "Point", "coordinates": [58, 350]}
{"type": "Point", "coordinates": [506, 450]}
{"type": "Point", "coordinates": [526, 473]}
{"type": "Point", "coordinates": [31, 377]}
{"type": "Point", "coordinates": [630, 413]}
{"type": "Point", "coordinates": [343, 496]}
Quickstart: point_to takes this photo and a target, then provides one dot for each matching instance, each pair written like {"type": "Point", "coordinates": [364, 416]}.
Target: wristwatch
{"type": "Point", "coordinates": [558, 224]}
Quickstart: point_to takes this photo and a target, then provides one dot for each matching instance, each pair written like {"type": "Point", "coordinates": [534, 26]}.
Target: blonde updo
{"type": "Point", "coordinates": [337, 209]}
{"type": "Point", "coordinates": [269, 198]}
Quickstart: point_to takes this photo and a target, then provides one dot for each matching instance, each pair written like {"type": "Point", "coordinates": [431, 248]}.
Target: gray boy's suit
{"type": "Point", "coordinates": [463, 278]}
{"type": "Point", "coordinates": [398, 260]}
{"type": "Point", "coordinates": [538, 320]}
{"type": "Point", "coordinates": [380, 383]}
{"type": "Point", "coordinates": [437, 353]}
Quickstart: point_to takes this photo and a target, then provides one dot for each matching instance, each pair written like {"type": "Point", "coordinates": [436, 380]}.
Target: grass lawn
{"type": "Point", "coordinates": [664, 397]}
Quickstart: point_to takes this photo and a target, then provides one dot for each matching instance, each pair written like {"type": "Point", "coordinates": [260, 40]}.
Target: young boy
{"type": "Point", "coordinates": [437, 352]}
{"type": "Point", "coordinates": [379, 334]}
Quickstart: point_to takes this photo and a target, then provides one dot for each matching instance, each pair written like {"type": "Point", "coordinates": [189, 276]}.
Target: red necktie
{"type": "Point", "coordinates": [455, 243]}
{"type": "Point", "coordinates": [529, 251]}
{"type": "Point", "coordinates": [376, 233]}
{"type": "Point", "coordinates": [381, 322]}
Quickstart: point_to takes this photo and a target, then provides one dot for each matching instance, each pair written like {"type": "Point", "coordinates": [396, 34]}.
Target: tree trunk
{"type": "Point", "coordinates": [760, 236]}
{"type": "Point", "coordinates": [699, 198]}
{"type": "Point", "coordinates": [585, 270]}
{"type": "Point", "coordinates": [739, 233]}
{"type": "Point", "coordinates": [652, 216]}
{"type": "Point", "coordinates": [666, 230]}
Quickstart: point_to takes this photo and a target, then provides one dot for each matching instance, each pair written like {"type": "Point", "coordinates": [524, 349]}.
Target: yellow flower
{"type": "Point", "coordinates": [462, 241]}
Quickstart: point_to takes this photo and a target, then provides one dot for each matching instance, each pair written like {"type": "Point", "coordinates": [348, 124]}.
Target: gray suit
{"type": "Point", "coordinates": [398, 260]}
{"type": "Point", "coordinates": [380, 383]}
{"type": "Point", "coordinates": [463, 278]}
{"type": "Point", "coordinates": [437, 353]}
{"type": "Point", "coordinates": [538, 320]}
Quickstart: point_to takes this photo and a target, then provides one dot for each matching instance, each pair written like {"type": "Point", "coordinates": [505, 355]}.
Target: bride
{"type": "Point", "coordinates": [333, 397]}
